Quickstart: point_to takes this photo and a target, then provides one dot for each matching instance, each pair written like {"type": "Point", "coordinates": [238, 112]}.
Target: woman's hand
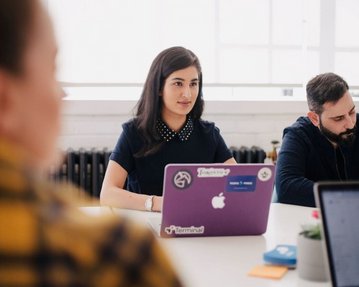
{"type": "Point", "coordinates": [157, 204]}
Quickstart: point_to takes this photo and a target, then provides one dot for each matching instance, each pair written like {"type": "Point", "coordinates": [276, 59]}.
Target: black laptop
{"type": "Point", "coordinates": [339, 207]}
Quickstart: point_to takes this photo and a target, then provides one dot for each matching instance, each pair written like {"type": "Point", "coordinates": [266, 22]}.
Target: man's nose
{"type": "Point", "coordinates": [350, 123]}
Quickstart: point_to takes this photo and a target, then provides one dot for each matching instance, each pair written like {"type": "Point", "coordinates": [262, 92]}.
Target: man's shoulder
{"type": "Point", "coordinates": [75, 226]}
{"type": "Point", "coordinates": [113, 242]}
{"type": "Point", "coordinates": [95, 241]}
{"type": "Point", "coordinates": [47, 226]}
{"type": "Point", "coordinates": [301, 127]}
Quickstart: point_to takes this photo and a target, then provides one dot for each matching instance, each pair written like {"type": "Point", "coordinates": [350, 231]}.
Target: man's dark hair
{"type": "Point", "coordinates": [324, 88]}
{"type": "Point", "coordinates": [16, 18]}
{"type": "Point", "coordinates": [150, 104]}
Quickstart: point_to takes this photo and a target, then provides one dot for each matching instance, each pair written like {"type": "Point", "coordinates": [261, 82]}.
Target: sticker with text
{"type": "Point", "coordinates": [213, 172]}
{"type": "Point", "coordinates": [173, 229]}
{"type": "Point", "coordinates": [243, 183]}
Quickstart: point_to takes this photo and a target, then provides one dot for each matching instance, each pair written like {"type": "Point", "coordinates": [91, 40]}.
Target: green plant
{"type": "Point", "coordinates": [311, 231]}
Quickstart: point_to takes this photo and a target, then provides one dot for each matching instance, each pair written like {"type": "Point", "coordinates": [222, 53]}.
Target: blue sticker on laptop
{"type": "Point", "coordinates": [241, 183]}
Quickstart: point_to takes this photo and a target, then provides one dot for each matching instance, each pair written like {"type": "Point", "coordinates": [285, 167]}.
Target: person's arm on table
{"type": "Point", "coordinates": [114, 194]}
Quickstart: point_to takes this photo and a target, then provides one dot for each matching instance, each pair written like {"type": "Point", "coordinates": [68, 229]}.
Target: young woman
{"type": "Point", "coordinates": [167, 129]}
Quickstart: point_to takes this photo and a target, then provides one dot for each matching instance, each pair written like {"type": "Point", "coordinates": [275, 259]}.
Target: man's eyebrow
{"type": "Point", "coordinates": [335, 117]}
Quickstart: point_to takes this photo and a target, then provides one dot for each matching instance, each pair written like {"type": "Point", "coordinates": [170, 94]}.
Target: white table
{"type": "Point", "coordinates": [225, 261]}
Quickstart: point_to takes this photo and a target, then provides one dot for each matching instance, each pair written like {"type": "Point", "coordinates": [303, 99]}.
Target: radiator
{"type": "Point", "coordinates": [245, 154]}
{"type": "Point", "coordinates": [86, 168]}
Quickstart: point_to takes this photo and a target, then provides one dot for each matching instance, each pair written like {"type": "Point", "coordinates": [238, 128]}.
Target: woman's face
{"type": "Point", "coordinates": [180, 92]}
{"type": "Point", "coordinates": [33, 114]}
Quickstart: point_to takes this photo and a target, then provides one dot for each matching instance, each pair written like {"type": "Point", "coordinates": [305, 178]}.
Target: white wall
{"type": "Point", "coordinates": [97, 123]}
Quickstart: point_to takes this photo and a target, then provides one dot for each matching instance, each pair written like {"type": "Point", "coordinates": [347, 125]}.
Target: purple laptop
{"type": "Point", "coordinates": [216, 199]}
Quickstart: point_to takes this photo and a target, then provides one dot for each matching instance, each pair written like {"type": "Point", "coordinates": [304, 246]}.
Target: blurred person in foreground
{"type": "Point", "coordinates": [44, 240]}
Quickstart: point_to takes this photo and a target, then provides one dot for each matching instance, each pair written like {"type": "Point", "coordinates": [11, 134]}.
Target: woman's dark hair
{"type": "Point", "coordinates": [324, 88]}
{"type": "Point", "coordinates": [16, 18]}
{"type": "Point", "coordinates": [150, 104]}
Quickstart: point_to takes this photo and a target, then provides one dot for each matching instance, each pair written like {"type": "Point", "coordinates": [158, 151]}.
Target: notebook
{"type": "Point", "coordinates": [215, 200]}
{"type": "Point", "coordinates": [339, 208]}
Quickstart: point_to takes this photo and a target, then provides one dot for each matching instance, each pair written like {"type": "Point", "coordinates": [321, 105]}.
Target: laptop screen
{"type": "Point", "coordinates": [340, 215]}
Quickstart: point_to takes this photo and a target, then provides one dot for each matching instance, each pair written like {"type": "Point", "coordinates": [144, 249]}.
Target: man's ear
{"type": "Point", "coordinates": [314, 118]}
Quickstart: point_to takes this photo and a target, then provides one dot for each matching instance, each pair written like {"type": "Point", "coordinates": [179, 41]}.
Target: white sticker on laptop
{"type": "Point", "coordinates": [213, 172]}
{"type": "Point", "coordinates": [182, 179]}
{"type": "Point", "coordinates": [173, 229]}
{"type": "Point", "coordinates": [265, 174]}
{"type": "Point", "coordinates": [218, 201]}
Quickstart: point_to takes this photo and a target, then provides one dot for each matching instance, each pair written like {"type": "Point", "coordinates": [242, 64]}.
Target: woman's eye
{"type": "Point", "coordinates": [178, 84]}
{"type": "Point", "coordinates": [194, 84]}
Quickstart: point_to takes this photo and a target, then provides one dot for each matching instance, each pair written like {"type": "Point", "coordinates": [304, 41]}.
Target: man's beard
{"type": "Point", "coordinates": [345, 138]}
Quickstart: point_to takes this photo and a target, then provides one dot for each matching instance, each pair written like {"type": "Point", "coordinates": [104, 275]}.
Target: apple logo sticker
{"type": "Point", "coordinates": [218, 201]}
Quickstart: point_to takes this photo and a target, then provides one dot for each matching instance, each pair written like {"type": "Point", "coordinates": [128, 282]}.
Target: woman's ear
{"type": "Point", "coordinates": [314, 118]}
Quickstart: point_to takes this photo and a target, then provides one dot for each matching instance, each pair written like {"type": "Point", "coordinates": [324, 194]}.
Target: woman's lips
{"type": "Point", "coordinates": [184, 103]}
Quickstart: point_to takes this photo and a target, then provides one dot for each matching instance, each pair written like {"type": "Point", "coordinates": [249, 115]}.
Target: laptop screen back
{"type": "Point", "coordinates": [340, 215]}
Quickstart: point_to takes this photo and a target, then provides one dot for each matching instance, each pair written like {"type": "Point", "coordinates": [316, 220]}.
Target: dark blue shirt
{"type": "Point", "coordinates": [306, 156]}
{"type": "Point", "coordinates": [145, 174]}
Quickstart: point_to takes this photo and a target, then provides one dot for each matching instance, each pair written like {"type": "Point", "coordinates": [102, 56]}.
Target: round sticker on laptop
{"type": "Point", "coordinates": [264, 174]}
{"type": "Point", "coordinates": [182, 179]}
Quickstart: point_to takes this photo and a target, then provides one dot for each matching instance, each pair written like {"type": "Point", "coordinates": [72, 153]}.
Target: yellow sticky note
{"type": "Point", "coordinates": [267, 271]}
